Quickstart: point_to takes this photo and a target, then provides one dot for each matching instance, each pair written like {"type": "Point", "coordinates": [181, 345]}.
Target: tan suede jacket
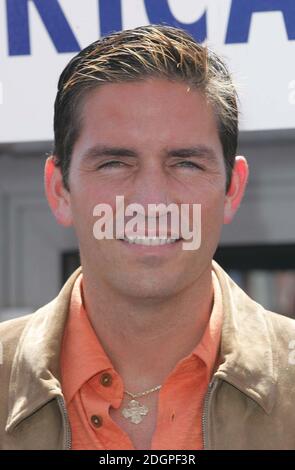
{"type": "Point", "coordinates": [250, 403]}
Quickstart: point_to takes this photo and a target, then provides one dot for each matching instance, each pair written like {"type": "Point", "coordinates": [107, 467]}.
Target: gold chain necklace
{"type": "Point", "coordinates": [135, 410]}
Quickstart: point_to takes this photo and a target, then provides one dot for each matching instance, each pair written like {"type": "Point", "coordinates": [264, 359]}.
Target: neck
{"type": "Point", "coordinates": [136, 334]}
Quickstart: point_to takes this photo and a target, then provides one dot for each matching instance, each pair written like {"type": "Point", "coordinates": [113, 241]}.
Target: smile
{"type": "Point", "coordinates": [150, 241]}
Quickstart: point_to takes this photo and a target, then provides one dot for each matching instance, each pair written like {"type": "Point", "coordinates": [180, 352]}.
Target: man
{"type": "Point", "coordinates": [148, 345]}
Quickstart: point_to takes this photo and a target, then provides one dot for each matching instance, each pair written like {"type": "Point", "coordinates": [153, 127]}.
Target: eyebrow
{"type": "Point", "coordinates": [106, 151]}
{"type": "Point", "coordinates": [201, 151]}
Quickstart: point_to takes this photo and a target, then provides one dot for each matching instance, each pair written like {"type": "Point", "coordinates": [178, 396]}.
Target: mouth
{"type": "Point", "coordinates": [150, 241]}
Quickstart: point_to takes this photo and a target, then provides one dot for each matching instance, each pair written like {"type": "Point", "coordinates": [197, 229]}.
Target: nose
{"type": "Point", "coordinates": [150, 186]}
{"type": "Point", "coordinates": [152, 189]}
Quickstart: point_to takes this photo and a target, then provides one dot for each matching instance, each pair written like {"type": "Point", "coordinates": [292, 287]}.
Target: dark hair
{"type": "Point", "coordinates": [136, 54]}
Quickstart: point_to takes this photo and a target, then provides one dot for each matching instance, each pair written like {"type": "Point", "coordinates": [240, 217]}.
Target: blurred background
{"type": "Point", "coordinates": [257, 40]}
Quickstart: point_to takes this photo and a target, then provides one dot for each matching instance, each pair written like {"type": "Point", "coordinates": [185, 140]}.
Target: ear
{"type": "Point", "coordinates": [236, 190]}
{"type": "Point", "coordinates": [58, 196]}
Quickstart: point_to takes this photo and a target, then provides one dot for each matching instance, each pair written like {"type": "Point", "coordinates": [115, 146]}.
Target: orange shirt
{"type": "Point", "coordinates": [91, 386]}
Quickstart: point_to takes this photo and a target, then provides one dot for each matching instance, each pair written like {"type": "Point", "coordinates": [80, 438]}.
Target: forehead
{"type": "Point", "coordinates": [153, 109]}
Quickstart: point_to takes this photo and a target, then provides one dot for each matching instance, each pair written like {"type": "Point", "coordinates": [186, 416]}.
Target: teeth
{"type": "Point", "coordinates": [149, 240]}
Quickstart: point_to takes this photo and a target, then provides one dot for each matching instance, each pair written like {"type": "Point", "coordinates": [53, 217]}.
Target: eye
{"type": "Point", "coordinates": [189, 164]}
{"type": "Point", "coordinates": [111, 164]}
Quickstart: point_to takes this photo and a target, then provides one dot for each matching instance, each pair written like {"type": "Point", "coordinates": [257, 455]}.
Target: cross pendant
{"type": "Point", "coordinates": [135, 412]}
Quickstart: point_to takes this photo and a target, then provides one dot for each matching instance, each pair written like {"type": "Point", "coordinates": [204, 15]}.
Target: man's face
{"type": "Point", "coordinates": [152, 122]}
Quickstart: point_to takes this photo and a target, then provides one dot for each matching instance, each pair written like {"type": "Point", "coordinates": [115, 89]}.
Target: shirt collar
{"type": "Point", "coordinates": [208, 347]}
{"type": "Point", "coordinates": [82, 354]}
{"type": "Point", "coordinates": [82, 350]}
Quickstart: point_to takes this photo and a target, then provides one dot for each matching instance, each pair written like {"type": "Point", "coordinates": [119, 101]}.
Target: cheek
{"type": "Point", "coordinates": [86, 193]}
{"type": "Point", "coordinates": [82, 212]}
{"type": "Point", "coordinates": [213, 208]}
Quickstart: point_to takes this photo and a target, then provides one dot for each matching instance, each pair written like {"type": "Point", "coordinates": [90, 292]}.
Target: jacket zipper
{"type": "Point", "coordinates": [68, 434]}
{"type": "Point", "coordinates": [208, 396]}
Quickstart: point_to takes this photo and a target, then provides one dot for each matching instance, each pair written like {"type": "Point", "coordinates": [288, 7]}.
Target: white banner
{"type": "Point", "coordinates": [38, 38]}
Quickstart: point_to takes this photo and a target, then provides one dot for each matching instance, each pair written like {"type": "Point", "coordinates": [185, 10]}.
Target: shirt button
{"type": "Point", "coordinates": [106, 379]}
{"type": "Point", "coordinates": [96, 420]}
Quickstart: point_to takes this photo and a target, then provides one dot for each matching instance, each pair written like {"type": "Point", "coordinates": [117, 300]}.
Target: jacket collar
{"type": "Point", "coordinates": [248, 356]}
{"type": "Point", "coordinates": [247, 360]}
{"type": "Point", "coordinates": [35, 375]}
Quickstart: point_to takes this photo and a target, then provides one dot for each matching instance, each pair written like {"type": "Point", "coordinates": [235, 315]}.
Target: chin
{"type": "Point", "coordinates": [152, 288]}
